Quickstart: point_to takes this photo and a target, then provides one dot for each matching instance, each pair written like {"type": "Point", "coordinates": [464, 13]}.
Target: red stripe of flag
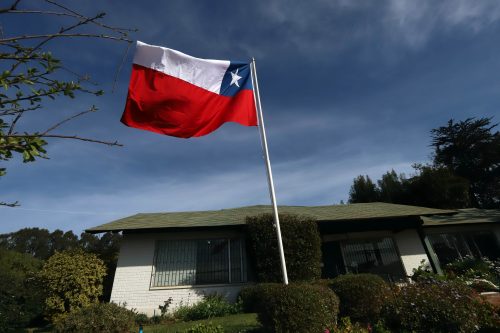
{"type": "Point", "coordinates": [167, 105]}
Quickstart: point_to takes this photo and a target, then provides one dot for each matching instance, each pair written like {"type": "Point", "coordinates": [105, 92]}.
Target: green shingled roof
{"type": "Point", "coordinates": [236, 216]}
{"type": "Point", "coordinates": [464, 216]}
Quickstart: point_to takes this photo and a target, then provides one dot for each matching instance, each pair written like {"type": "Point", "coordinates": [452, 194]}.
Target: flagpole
{"type": "Point", "coordinates": [268, 168]}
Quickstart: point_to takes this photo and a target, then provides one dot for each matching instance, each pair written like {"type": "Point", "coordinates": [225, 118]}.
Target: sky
{"type": "Point", "coordinates": [347, 88]}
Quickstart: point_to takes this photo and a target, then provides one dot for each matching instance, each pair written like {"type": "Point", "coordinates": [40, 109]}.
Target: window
{"type": "Point", "coordinates": [452, 246]}
{"type": "Point", "coordinates": [377, 256]}
{"type": "Point", "coordinates": [197, 262]}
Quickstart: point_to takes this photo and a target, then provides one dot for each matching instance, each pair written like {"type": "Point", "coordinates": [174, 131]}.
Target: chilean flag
{"type": "Point", "coordinates": [175, 94]}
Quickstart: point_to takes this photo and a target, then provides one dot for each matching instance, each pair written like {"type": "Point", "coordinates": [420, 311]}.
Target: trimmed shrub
{"type": "Point", "coordinates": [447, 306]}
{"type": "Point", "coordinates": [250, 297]}
{"type": "Point", "coordinates": [297, 308]}
{"type": "Point", "coordinates": [301, 244]}
{"type": "Point", "coordinates": [72, 280]}
{"type": "Point", "coordinates": [101, 317]}
{"type": "Point", "coordinates": [211, 306]}
{"type": "Point", "coordinates": [362, 296]}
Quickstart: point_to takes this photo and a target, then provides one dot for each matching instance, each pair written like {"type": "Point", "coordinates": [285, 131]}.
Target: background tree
{"type": "Point", "coordinates": [42, 244]}
{"type": "Point", "coordinates": [107, 248]}
{"type": "Point", "coordinates": [471, 149]}
{"type": "Point", "coordinates": [72, 280]}
{"type": "Point", "coordinates": [429, 187]}
{"type": "Point", "coordinates": [21, 297]}
{"type": "Point", "coordinates": [465, 171]}
{"type": "Point", "coordinates": [31, 76]}
{"type": "Point", "coordinates": [437, 188]}
{"type": "Point", "coordinates": [393, 187]}
{"type": "Point", "coordinates": [363, 190]}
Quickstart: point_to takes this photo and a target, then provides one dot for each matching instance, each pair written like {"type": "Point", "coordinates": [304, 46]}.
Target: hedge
{"type": "Point", "coordinates": [301, 243]}
{"type": "Point", "coordinates": [448, 306]}
{"type": "Point", "coordinates": [100, 317]}
{"type": "Point", "coordinates": [362, 296]}
{"type": "Point", "coordinates": [297, 308]}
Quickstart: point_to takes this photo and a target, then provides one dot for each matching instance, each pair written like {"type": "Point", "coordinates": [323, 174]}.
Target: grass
{"type": "Point", "coordinates": [244, 322]}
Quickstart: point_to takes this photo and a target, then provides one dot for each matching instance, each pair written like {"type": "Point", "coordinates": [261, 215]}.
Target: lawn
{"type": "Point", "coordinates": [245, 322]}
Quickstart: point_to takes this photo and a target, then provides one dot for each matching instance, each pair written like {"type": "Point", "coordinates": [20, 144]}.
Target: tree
{"type": "Point", "coordinates": [429, 187]}
{"type": "Point", "coordinates": [437, 188]}
{"type": "Point", "coordinates": [72, 280]}
{"type": "Point", "coordinates": [32, 76]}
{"type": "Point", "coordinates": [465, 171]}
{"type": "Point", "coordinates": [41, 244]}
{"type": "Point", "coordinates": [363, 190]}
{"type": "Point", "coordinates": [393, 187]}
{"type": "Point", "coordinates": [107, 248]}
{"type": "Point", "coordinates": [21, 298]}
{"type": "Point", "coordinates": [471, 149]}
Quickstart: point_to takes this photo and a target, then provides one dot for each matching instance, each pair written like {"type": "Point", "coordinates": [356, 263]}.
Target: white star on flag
{"type": "Point", "coordinates": [234, 78]}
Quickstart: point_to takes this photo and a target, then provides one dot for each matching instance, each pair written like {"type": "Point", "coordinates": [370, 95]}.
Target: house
{"type": "Point", "coordinates": [184, 256]}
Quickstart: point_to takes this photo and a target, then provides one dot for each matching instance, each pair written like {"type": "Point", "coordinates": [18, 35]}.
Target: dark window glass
{"type": "Point", "coordinates": [452, 246]}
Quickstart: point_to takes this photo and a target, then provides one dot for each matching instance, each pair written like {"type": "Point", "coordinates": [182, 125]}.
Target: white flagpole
{"type": "Point", "coordinates": [268, 167]}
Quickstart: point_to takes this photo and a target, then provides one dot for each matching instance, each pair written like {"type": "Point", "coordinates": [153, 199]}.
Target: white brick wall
{"type": "Point", "coordinates": [133, 275]}
{"type": "Point", "coordinates": [411, 249]}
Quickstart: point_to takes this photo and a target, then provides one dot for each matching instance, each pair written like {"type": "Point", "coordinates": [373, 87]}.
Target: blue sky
{"type": "Point", "coordinates": [348, 88]}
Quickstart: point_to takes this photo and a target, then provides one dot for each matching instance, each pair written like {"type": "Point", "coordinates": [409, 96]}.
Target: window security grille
{"type": "Point", "coordinates": [376, 256]}
{"type": "Point", "coordinates": [199, 262]}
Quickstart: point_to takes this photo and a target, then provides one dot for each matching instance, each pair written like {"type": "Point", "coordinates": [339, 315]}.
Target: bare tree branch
{"type": "Point", "coordinates": [14, 111]}
{"type": "Point", "coordinates": [14, 122]}
{"type": "Point", "coordinates": [92, 109]}
{"type": "Point", "coordinates": [119, 69]}
{"type": "Point", "coordinates": [24, 37]}
{"type": "Point", "coordinates": [116, 29]}
{"type": "Point", "coordinates": [12, 7]}
{"type": "Point", "coordinates": [60, 136]}
{"type": "Point", "coordinates": [9, 204]}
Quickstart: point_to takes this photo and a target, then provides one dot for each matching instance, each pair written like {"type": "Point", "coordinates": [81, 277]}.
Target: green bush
{"type": "Point", "coordinates": [21, 297]}
{"type": "Point", "coordinates": [211, 306]}
{"type": "Point", "coordinates": [297, 308]}
{"type": "Point", "coordinates": [100, 317]}
{"type": "Point", "coordinates": [72, 279]}
{"type": "Point", "coordinates": [346, 326]}
{"type": "Point", "coordinates": [362, 296]}
{"type": "Point", "coordinates": [249, 297]}
{"type": "Point", "coordinates": [470, 268]}
{"type": "Point", "coordinates": [488, 316]}
{"type": "Point", "coordinates": [301, 243]}
{"type": "Point", "coordinates": [202, 328]}
{"type": "Point", "coordinates": [424, 273]}
{"type": "Point", "coordinates": [446, 306]}
{"type": "Point", "coordinates": [142, 319]}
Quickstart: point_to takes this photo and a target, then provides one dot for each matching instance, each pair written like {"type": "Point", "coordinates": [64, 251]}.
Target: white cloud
{"type": "Point", "coordinates": [413, 22]}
